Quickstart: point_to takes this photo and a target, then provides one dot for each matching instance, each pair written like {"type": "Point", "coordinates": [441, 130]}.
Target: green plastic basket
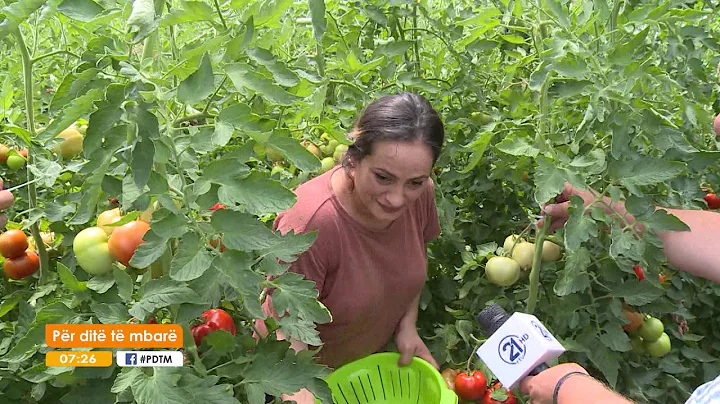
{"type": "Point", "coordinates": [377, 379]}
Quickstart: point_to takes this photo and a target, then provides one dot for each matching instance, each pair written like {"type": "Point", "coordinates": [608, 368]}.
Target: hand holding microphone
{"type": "Point", "coordinates": [518, 345]}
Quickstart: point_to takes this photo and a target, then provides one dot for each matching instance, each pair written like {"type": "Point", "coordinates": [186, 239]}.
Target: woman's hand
{"type": "Point", "coordinates": [303, 396]}
{"type": "Point", "coordinates": [6, 200]}
{"type": "Point", "coordinates": [409, 344]}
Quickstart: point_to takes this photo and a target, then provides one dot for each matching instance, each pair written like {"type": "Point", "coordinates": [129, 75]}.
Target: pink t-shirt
{"type": "Point", "coordinates": [366, 278]}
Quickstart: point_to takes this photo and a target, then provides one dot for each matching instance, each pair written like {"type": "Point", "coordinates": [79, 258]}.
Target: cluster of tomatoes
{"type": "Point", "coordinates": [19, 261]}
{"type": "Point", "coordinates": [14, 159]}
{"type": "Point", "coordinates": [97, 248]}
{"type": "Point", "coordinates": [473, 387]}
{"type": "Point", "coordinates": [518, 254]}
{"type": "Point", "coordinates": [330, 152]}
{"type": "Point", "coordinates": [647, 333]}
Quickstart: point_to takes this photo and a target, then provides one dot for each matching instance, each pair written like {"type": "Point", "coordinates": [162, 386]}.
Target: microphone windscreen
{"type": "Point", "coordinates": [491, 318]}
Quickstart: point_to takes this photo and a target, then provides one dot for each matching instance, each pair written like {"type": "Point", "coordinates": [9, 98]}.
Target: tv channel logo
{"type": "Point", "coordinates": [150, 358]}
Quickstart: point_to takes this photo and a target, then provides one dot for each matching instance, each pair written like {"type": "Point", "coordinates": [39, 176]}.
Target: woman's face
{"type": "Point", "coordinates": [391, 178]}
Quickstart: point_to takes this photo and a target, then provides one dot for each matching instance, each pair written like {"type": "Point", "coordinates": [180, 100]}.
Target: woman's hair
{"type": "Point", "coordinates": [401, 117]}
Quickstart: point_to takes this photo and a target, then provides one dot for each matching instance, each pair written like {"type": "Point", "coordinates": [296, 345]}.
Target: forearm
{"type": "Point", "coordinates": [409, 319]}
{"type": "Point", "coordinates": [586, 390]}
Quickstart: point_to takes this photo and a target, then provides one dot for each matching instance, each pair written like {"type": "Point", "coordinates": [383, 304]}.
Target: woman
{"type": "Point", "coordinates": [374, 216]}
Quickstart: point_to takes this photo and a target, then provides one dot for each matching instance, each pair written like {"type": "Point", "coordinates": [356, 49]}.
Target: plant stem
{"type": "Point", "coordinates": [32, 190]}
{"type": "Point", "coordinates": [222, 83]}
{"type": "Point", "coordinates": [47, 55]}
{"type": "Point", "coordinates": [222, 19]}
{"type": "Point", "coordinates": [537, 266]}
{"type": "Point", "coordinates": [190, 117]}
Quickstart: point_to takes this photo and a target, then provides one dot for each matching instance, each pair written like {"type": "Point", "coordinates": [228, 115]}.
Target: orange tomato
{"type": "Point", "coordinates": [125, 240]}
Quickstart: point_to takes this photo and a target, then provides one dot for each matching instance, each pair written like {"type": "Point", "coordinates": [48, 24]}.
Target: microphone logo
{"type": "Point", "coordinates": [512, 349]}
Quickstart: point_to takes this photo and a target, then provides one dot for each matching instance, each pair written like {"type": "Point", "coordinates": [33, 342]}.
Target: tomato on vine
{"type": "Point", "coordinates": [497, 394]}
{"type": "Point", "coordinates": [651, 329]}
{"type": "Point", "coordinates": [635, 320]}
{"type": "Point", "coordinates": [470, 386]}
{"type": "Point", "coordinates": [713, 201]}
{"type": "Point", "coordinates": [23, 266]}
{"type": "Point", "coordinates": [126, 239]}
{"type": "Point", "coordinates": [13, 243]}
{"type": "Point", "coordinates": [212, 320]}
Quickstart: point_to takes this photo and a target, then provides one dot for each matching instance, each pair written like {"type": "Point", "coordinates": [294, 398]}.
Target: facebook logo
{"type": "Point", "coordinates": [150, 358]}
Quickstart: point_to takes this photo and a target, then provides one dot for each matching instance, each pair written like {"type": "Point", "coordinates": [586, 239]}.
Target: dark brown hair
{"type": "Point", "coordinates": [402, 117]}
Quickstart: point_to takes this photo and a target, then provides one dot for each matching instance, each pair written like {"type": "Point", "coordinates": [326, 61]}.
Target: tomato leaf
{"type": "Point", "coordinates": [110, 313]}
{"type": "Point", "coordinates": [574, 278]}
{"type": "Point", "coordinates": [614, 338]}
{"type": "Point", "coordinates": [236, 267]}
{"type": "Point", "coordinates": [34, 338]}
{"type": "Point", "coordinates": [199, 85]}
{"type": "Point", "coordinates": [317, 14]}
{"type": "Point", "coordinates": [10, 302]}
{"type": "Point", "coordinates": [191, 11]}
{"type": "Point", "coordinates": [191, 260]}
{"type": "Point", "coordinates": [160, 387]}
{"type": "Point", "coordinates": [298, 297]}
{"type": "Point", "coordinates": [16, 13]}
{"type": "Point", "coordinates": [159, 293]}
{"type": "Point", "coordinates": [637, 293]}
{"type": "Point", "coordinates": [83, 10]}
{"type": "Point", "coordinates": [293, 150]}
{"type": "Point", "coordinates": [606, 360]}
{"type": "Point", "coordinates": [280, 72]}
{"type": "Point", "coordinates": [69, 280]}
{"type": "Point", "coordinates": [579, 227]}
{"type": "Point", "coordinates": [101, 283]}
{"type": "Point", "coordinates": [644, 171]}
{"type": "Point", "coordinates": [550, 180]}
{"type": "Point", "coordinates": [124, 284]}
{"type": "Point", "coordinates": [517, 146]}
{"type": "Point", "coordinates": [290, 245]}
{"type": "Point", "coordinates": [242, 231]}
{"type": "Point", "coordinates": [149, 251]}
{"type": "Point", "coordinates": [245, 77]}
{"type": "Point", "coordinates": [141, 21]}
{"type": "Point", "coordinates": [256, 194]}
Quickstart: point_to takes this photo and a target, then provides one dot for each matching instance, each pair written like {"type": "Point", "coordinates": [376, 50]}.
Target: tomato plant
{"type": "Point", "coordinates": [92, 252]}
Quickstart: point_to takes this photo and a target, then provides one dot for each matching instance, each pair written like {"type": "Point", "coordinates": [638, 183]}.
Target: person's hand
{"type": "Point", "coordinates": [540, 388]}
{"type": "Point", "coordinates": [409, 344]}
{"type": "Point", "coordinates": [6, 200]}
{"type": "Point", "coordinates": [558, 211]}
{"type": "Point", "coordinates": [303, 396]}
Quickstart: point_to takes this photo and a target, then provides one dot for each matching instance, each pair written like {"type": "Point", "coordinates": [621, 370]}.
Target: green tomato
{"type": "Point", "coordinates": [637, 345]}
{"type": "Point", "coordinates": [15, 162]}
{"type": "Point", "coordinates": [651, 329]}
{"type": "Point", "coordinates": [327, 164]}
{"type": "Point", "coordinates": [92, 252]}
{"type": "Point", "coordinates": [332, 145]}
{"type": "Point", "coordinates": [502, 271]}
{"type": "Point", "coordinates": [510, 241]}
{"type": "Point", "coordinates": [523, 253]}
{"type": "Point", "coordinates": [660, 347]}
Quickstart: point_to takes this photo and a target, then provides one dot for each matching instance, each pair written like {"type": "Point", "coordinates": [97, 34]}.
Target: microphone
{"type": "Point", "coordinates": [518, 345]}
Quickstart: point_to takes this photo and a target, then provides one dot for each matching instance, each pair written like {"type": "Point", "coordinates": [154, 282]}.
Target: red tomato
{"type": "Point", "coordinates": [636, 320]}
{"type": "Point", "coordinates": [22, 266]}
{"type": "Point", "coordinates": [125, 240]}
{"type": "Point", "coordinates": [218, 206]}
{"type": "Point", "coordinates": [13, 243]}
{"type": "Point", "coordinates": [713, 201]}
{"type": "Point", "coordinates": [497, 394]}
{"type": "Point", "coordinates": [661, 278]}
{"type": "Point", "coordinates": [639, 272]}
{"type": "Point", "coordinates": [470, 386]}
{"type": "Point", "coordinates": [213, 320]}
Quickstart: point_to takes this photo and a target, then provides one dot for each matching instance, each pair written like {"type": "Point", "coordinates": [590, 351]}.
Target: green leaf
{"type": "Point", "coordinates": [300, 330]}
{"type": "Point", "coordinates": [110, 313]}
{"type": "Point", "coordinates": [16, 14]}
{"type": "Point", "coordinates": [124, 284]}
{"type": "Point", "coordinates": [142, 19]}
{"type": "Point", "coordinates": [574, 278]}
{"type": "Point", "coordinates": [159, 293]}
{"type": "Point", "coordinates": [517, 146]}
{"type": "Point", "coordinates": [645, 171]}
{"type": "Point", "coordinates": [98, 391]}
{"type": "Point", "coordinates": [168, 225]}
{"type": "Point", "coordinates": [281, 74]}
{"type": "Point", "coordinates": [243, 232]}
{"type": "Point", "coordinates": [74, 110]}
{"type": "Point", "coordinates": [661, 220]}
{"type": "Point", "coordinates": [579, 227]}
{"type": "Point", "coordinates": [101, 283]}
{"type": "Point", "coordinates": [192, 259]}
{"type": "Point", "coordinates": [298, 297]}
{"type": "Point", "coordinates": [291, 245]}
{"type": "Point", "coordinates": [10, 302]}
{"type": "Point", "coordinates": [243, 76]}
{"type": "Point", "coordinates": [160, 387]}
{"type": "Point", "coordinates": [605, 360]}
{"type": "Point", "coordinates": [317, 14]}
{"type": "Point", "coordinates": [237, 268]}
{"type": "Point", "coordinates": [637, 293]}
{"type": "Point", "coordinates": [615, 338]}
{"type": "Point", "coordinates": [149, 251]}
{"type": "Point", "coordinates": [128, 377]}
{"type": "Point", "coordinates": [550, 180]}
{"type": "Point", "coordinates": [241, 117]}
{"type": "Point", "coordinates": [83, 10]}
{"type": "Point", "coordinates": [478, 147]}
{"type": "Point", "coordinates": [74, 86]}
{"type": "Point", "coordinates": [69, 280]}
{"type": "Point", "coordinates": [559, 11]}
{"type": "Point", "coordinates": [199, 85]}
{"type": "Point", "coordinates": [256, 194]}
{"type": "Point", "coordinates": [34, 338]}
{"type": "Point", "coordinates": [293, 150]}
{"type": "Point", "coordinates": [191, 11]}
{"type": "Point", "coordinates": [624, 53]}
{"type": "Point", "coordinates": [222, 134]}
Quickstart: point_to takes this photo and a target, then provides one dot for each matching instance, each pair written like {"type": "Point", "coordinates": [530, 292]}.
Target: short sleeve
{"type": "Point", "coordinates": [432, 223]}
